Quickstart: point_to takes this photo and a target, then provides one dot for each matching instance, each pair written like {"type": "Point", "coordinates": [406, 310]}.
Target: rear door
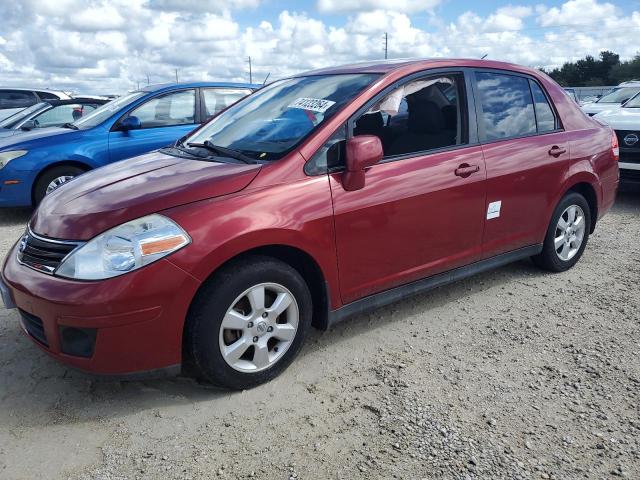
{"type": "Point", "coordinates": [421, 211]}
{"type": "Point", "coordinates": [164, 119]}
{"type": "Point", "coordinates": [526, 152]}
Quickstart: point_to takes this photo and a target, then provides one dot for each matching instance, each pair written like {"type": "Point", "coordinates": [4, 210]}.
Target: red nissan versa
{"type": "Point", "coordinates": [317, 197]}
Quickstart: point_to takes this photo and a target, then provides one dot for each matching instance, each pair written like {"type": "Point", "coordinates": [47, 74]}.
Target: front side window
{"type": "Point", "coordinates": [217, 99]}
{"type": "Point", "coordinates": [634, 102]}
{"type": "Point", "coordinates": [507, 106]}
{"type": "Point", "coordinates": [62, 114]}
{"type": "Point", "coordinates": [16, 99]}
{"type": "Point", "coordinates": [274, 120]}
{"type": "Point", "coordinates": [545, 118]}
{"type": "Point", "coordinates": [177, 108]}
{"type": "Point", "coordinates": [421, 115]}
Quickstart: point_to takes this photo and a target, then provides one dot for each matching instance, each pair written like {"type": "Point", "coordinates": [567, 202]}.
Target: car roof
{"type": "Point", "coordinates": [630, 83]}
{"type": "Point", "coordinates": [170, 86]}
{"type": "Point", "coordinates": [37, 89]}
{"type": "Point", "coordinates": [413, 64]}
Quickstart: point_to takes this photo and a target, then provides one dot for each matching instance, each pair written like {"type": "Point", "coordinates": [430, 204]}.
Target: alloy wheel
{"type": "Point", "coordinates": [56, 182]}
{"type": "Point", "coordinates": [570, 232]}
{"type": "Point", "coordinates": [259, 327]}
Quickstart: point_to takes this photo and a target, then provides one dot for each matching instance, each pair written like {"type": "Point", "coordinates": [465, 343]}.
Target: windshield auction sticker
{"type": "Point", "coordinates": [312, 104]}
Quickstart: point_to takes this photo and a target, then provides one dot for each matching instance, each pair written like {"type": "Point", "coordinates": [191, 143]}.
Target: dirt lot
{"type": "Point", "coordinates": [510, 374]}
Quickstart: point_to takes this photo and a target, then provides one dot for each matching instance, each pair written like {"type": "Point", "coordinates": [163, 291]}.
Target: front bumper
{"type": "Point", "coordinates": [136, 320]}
{"type": "Point", "coordinates": [15, 194]}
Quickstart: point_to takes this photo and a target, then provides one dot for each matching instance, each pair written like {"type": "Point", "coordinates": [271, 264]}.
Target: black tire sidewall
{"type": "Point", "coordinates": [216, 296]}
{"type": "Point", "coordinates": [548, 258]}
{"type": "Point", "coordinates": [40, 188]}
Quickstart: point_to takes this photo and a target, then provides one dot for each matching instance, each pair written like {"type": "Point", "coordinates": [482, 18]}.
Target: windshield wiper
{"type": "Point", "coordinates": [227, 152]}
{"type": "Point", "coordinates": [69, 125]}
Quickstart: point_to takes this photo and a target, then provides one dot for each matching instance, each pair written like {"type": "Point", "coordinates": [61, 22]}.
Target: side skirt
{"type": "Point", "coordinates": [381, 299]}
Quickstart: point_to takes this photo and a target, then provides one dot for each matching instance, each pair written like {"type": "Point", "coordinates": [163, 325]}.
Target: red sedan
{"type": "Point", "coordinates": [317, 197]}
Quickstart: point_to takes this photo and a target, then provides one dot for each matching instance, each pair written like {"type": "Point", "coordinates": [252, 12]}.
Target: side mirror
{"type": "Point", "coordinates": [130, 123]}
{"type": "Point", "coordinates": [362, 152]}
{"type": "Point", "coordinates": [28, 125]}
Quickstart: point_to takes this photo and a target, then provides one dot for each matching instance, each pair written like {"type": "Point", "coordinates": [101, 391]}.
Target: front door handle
{"type": "Point", "coordinates": [465, 170]}
{"type": "Point", "coordinates": [556, 151]}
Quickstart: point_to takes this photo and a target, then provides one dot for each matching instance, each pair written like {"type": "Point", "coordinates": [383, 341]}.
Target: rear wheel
{"type": "Point", "coordinates": [248, 322]}
{"type": "Point", "coordinates": [567, 234]}
{"type": "Point", "coordinates": [52, 179]}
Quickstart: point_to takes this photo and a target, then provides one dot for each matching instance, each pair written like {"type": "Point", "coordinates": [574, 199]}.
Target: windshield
{"type": "Point", "coordinates": [16, 117]}
{"type": "Point", "coordinates": [634, 102]}
{"type": "Point", "coordinates": [619, 95]}
{"type": "Point", "coordinates": [99, 115]}
{"type": "Point", "coordinates": [272, 121]}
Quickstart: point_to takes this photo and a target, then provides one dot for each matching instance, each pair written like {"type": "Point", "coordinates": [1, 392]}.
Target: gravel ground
{"type": "Point", "coordinates": [510, 374]}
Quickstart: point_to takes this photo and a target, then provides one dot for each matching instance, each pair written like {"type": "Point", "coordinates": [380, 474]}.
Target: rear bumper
{"type": "Point", "coordinates": [132, 323]}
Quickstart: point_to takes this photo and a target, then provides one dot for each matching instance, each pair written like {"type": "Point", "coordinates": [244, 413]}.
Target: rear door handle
{"type": "Point", "coordinates": [556, 151]}
{"type": "Point", "coordinates": [465, 170]}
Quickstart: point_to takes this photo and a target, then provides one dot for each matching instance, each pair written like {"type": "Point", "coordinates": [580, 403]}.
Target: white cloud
{"type": "Point", "coordinates": [109, 46]}
{"type": "Point", "coordinates": [406, 6]}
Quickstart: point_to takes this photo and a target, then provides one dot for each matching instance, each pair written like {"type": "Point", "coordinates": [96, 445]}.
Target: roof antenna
{"type": "Point", "coordinates": [265, 78]}
{"type": "Point", "coordinates": [484, 56]}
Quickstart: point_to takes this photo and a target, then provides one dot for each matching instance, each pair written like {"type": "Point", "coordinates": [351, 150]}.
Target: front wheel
{"type": "Point", "coordinates": [52, 179]}
{"type": "Point", "coordinates": [248, 322]}
{"type": "Point", "coordinates": [567, 234]}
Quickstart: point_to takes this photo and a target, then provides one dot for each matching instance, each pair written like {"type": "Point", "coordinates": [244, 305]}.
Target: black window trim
{"type": "Point", "coordinates": [481, 133]}
{"type": "Point", "coordinates": [197, 117]}
{"type": "Point", "coordinates": [34, 96]}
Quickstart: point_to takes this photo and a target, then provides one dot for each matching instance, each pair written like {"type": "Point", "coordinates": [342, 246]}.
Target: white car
{"type": "Point", "coordinates": [626, 123]}
{"type": "Point", "coordinates": [14, 99]}
{"type": "Point", "coordinates": [614, 99]}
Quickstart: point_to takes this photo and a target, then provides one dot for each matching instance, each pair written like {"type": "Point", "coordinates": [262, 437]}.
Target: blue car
{"type": "Point", "coordinates": [35, 163]}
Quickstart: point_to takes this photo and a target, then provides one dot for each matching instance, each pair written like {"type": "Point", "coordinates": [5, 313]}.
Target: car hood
{"type": "Point", "coordinates": [621, 119]}
{"type": "Point", "coordinates": [35, 134]}
{"type": "Point", "coordinates": [594, 108]}
{"type": "Point", "coordinates": [101, 199]}
{"type": "Point", "coordinates": [7, 132]}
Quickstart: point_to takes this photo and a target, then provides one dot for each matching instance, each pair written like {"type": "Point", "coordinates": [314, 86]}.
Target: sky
{"type": "Point", "coordinates": [112, 46]}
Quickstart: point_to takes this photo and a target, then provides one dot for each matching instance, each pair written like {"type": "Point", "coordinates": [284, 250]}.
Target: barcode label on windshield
{"type": "Point", "coordinates": [312, 104]}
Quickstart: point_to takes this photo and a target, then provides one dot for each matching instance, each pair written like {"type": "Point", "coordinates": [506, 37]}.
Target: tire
{"type": "Point", "coordinates": [49, 176]}
{"type": "Point", "coordinates": [568, 252]}
{"type": "Point", "coordinates": [227, 300]}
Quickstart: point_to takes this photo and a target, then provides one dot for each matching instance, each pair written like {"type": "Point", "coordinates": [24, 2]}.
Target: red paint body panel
{"type": "Point", "coordinates": [414, 218]}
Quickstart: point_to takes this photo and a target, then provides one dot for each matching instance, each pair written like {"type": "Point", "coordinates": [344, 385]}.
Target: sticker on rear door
{"type": "Point", "coordinates": [318, 105]}
{"type": "Point", "coordinates": [493, 211]}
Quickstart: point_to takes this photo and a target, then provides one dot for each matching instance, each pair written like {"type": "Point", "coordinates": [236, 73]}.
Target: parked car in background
{"type": "Point", "coordinates": [572, 94]}
{"type": "Point", "coordinates": [14, 99]}
{"type": "Point", "coordinates": [36, 162]}
{"type": "Point", "coordinates": [614, 99]}
{"type": "Point", "coordinates": [52, 113]}
{"type": "Point", "coordinates": [305, 203]}
{"type": "Point", "coordinates": [626, 123]}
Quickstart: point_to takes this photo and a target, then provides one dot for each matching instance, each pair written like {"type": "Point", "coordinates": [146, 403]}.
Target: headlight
{"type": "Point", "coordinates": [6, 157]}
{"type": "Point", "coordinates": [125, 248]}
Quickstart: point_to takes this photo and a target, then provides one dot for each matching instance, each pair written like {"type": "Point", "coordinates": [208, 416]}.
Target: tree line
{"type": "Point", "coordinates": [607, 69]}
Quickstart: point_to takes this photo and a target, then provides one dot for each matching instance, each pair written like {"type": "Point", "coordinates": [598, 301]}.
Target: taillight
{"type": "Point", "coordinates": [615, 148]}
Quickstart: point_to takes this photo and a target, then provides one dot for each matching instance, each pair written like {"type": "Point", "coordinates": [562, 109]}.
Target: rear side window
{"type": "Point", "coordinates": [177, 108]}
{"type": "Point", "coordinates": [47, 96]}
{"type": "Point", "coordinates": [16, 99]}
{"type": "Point", "coordinates": [544, 113]}
{"type": "Point", "coordinates": [217, 99]}
{"type": "Point", "coordinates": [507, 106]}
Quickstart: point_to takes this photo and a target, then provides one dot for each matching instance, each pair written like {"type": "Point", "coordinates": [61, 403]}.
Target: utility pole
{"type": "Point", "coordinates": [386, 45]}
{"type": "Point", "coordinates": [250, 72]}
{"type": "Point", "coordinates": [176, 75]}
{"type": "Point", "coordinates": [147, 79]}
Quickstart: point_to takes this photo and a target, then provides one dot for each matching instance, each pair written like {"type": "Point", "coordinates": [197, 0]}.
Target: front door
{"type": "Point", "coordinates": [421, 211]}
{"type": "Point", "coordinates": [164, 119]}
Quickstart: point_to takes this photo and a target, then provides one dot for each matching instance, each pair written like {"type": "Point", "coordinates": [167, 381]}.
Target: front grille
{"type": "Point", "coordinates": [622, 134]}
{"type": "Point", "coordinates": [43, 254]}
{"type": "Point", "coordinates": [34, 327]}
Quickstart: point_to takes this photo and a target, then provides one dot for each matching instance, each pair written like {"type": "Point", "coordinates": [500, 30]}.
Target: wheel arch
{"type": "Point", "coordinates": [587, 190]}
{"type": "Point", "coordinates": [75, 163]}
